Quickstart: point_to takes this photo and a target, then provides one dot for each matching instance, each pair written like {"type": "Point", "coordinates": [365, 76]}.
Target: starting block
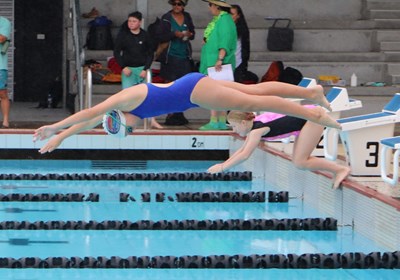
{"type": "Point", "coordinates": [339, 99]}
{"type": "Point", "coordinates": [361, 137]}
{"type": "Point", "coordinates": [307, 82]}
{"type": "Point", "coordinates": [394, 144]}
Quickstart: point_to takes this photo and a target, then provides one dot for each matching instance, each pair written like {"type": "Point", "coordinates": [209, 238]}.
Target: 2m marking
{"type": "Point", "coordinates": [196, 143]}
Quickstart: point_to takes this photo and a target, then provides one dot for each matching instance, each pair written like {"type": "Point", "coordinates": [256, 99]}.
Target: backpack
{"type": "Point", "coordinates": [291, 75]}
{"type": "Point", "coordinates": [99, 36]}
{"type": "Point", "coordinates": [280, 38]}
{"type": "Point", "coordinates": [273, 72]}
{"type": "Point", "coordinates": [278, 72]}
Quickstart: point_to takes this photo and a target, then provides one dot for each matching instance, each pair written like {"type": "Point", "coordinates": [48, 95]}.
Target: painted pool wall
{"type": "Point", "coordinates": [371, 217]}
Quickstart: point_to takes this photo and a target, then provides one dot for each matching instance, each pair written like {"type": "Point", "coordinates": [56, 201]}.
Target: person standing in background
{"type": "Point", "coordinates": [5, 33]}
{"type": "Point", "coordinates": [219, 48]}
{"type": "Point", "coordinates": [133, 52]}
{"type": "Point", "coordinates": [177, 29]}
{"type": "Point", "coordinates": [243, 43]}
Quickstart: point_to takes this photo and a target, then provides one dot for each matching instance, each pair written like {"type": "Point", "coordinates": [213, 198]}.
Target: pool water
{"type": "Point", "coordinates": [124, 243]}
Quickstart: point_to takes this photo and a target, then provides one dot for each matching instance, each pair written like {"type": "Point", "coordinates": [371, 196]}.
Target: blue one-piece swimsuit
{"type": "Point", "coordinates": [164, 100]}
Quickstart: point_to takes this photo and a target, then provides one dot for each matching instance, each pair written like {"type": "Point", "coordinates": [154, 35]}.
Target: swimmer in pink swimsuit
{"type": "Point", "coordinates": [276, 126]}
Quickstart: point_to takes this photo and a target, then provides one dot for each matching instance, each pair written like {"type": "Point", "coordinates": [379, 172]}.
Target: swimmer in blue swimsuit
{"type": "Point", "coordinates": [192, 90]}
{"type": "Point", "coordinates": [159, 99]}
{"type": "Point", "coordinates": [271, 126]}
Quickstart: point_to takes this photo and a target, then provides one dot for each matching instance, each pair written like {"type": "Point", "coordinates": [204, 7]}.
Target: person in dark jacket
{"type": "Point", "coordinates": [176, 32]}
{"type": "Point", "coordinates": [133, 52]}
{"type": "Point", "coordinates": [243, 43]}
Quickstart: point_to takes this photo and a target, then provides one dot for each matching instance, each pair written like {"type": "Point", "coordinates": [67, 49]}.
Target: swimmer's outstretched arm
{"type": "Point", "coordinates": [56, 141]}
{"type": "Point", "coordinates": [242, 154]}
{"type": "Point", "coordinates": [122, 100]}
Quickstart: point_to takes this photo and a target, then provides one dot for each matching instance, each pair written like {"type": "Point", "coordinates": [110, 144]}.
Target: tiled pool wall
{"type": "Point", "coordinates": [146, 140]}
{"type": "Point", "coordinates": [370, 214]}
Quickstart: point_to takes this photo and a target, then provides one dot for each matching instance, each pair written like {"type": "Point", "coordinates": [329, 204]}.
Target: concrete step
{"type": "Point", "coordinates": [390, 46]}
{"type": "Point", "coordinates": [393, 68]}
{"type": "Point", "coordinates": [315, 40]}
{"type": "Point", "coordinates": [387, 23]}
{"type": "Point", "coordinates": [385, 14]}
{"type": "Point", "coordinates": [365, 71]}
{"type": "Point", "coordinates": [383, 4]}
{"type": "Point", "coordinates": [312, 56]}
{"type": "Point", "coordinates": [265, 55]}
{"type": "Point", "coordinates": [292, 56]}
{"type": "Point", "coordinates": [305, 40]}
{"type": "Point", "coordinates": [396, 79]}
{"type": "Point", "coordinates": [386, 91]}
{"type": "Point", "coordinates": [392, 56]}
{"type": "Point", "coordinates": [317, 56]}
{"type": "Point", "coordinates": [388, 35]}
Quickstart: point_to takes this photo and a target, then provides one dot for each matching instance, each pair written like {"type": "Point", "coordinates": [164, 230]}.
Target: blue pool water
{"type": "Point", "coordinates": [124, 243]}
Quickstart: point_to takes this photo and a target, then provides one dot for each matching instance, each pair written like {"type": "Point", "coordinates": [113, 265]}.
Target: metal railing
{"type": "Point", "coordinates": [147, 121]}
{"type": "Point", "coordinates": [88, 89]}
{"type": "Point", "coordinates": [78, 48]}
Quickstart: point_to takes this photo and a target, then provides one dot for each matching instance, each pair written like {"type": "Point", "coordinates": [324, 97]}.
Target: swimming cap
{"type": "Point", "coordinates": [114, 123]}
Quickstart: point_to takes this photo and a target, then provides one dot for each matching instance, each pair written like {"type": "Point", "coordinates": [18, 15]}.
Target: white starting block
{"type": "Point", "coordinates": [361, 137]}
{"type": "Point", "coordinates": [338, 97]}
{"type": "Point", "coordinates": [307, 82]}
{"type": "Point", "coordinates": [390, 143]}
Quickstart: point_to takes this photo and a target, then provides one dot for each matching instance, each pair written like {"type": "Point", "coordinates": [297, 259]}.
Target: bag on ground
{"type": "Point", "coordinates": [280, 38]}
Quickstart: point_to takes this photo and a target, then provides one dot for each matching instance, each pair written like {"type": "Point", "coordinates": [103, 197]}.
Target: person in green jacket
{"type": "Point", "coordinates": [219, 48]}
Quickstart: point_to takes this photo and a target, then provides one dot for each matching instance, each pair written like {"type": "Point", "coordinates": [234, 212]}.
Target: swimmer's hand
{"type": "Point", "coordinates": [44, 132]}
{"type": "Point", "coordinates": [51, 145]}
{"type": "Point", "coordinates": [217, 168]}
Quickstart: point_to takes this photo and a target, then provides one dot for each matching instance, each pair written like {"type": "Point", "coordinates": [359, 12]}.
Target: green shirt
{"type": "Point", "coordinates": [223, 36]}
{"type": "Point", "coordinates": [5, 30]}
{"type": "Point", "coordinates": [178, 47]}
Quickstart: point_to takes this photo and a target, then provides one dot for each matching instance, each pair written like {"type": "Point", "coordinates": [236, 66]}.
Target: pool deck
{"type": "Point", "coordinates": [25, 117]}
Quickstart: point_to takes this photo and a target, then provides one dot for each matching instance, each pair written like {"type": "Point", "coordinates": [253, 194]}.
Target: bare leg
{"type": "Point", "coordinates": [209, 95]}
{"type": "Point", "coordinates": [155, 124]}
{"type": "Point", "coordinates": [314, 94]}
{"type": "Point", "coordinates": [304, 145]}
{"type": "Point", "coordinates": [5, 107]}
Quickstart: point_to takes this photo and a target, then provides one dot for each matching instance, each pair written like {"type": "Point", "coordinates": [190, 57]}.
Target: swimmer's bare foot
{"type": "Point", "coordinates": [340, 176]}
{"type": "Point", "coordinates": [319, 97]}
{"type": "Point", "coordinates": [324, 119]}
{"type": "Point", "coordinates": [155, 124]}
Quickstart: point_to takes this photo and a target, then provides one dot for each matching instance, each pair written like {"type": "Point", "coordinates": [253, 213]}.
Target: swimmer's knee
{"type": "Point", "coordinates": [299, 163]}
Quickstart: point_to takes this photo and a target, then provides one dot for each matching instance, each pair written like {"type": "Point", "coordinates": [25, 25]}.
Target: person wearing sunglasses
{"type": "Point", "coordinates": [177, 29]}
{"type": "Point", "coordinates": [219, 48]}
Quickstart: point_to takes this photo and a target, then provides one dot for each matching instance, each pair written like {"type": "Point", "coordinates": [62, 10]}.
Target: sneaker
{"type": "Point", "coordinates": [223, 126]}
{"type": "Point", "coordinates": [92, 14]}
{"type": "Point", "coordinates": [210, 126]}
